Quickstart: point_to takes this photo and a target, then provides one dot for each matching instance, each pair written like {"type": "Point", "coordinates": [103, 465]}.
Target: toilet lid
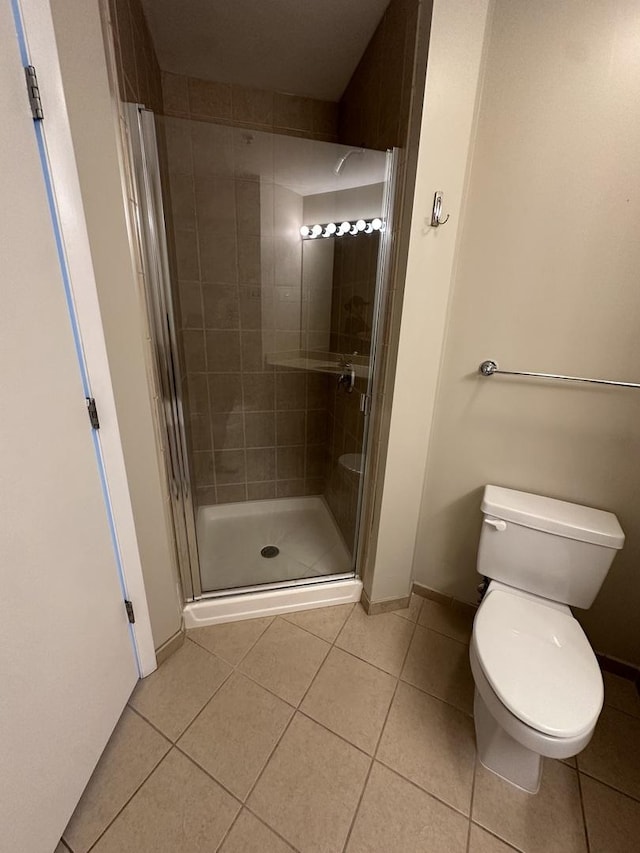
{"type": "Point", "coordinates": [539, 663]}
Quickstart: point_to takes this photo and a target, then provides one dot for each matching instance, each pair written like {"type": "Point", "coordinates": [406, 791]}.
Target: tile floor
{"type": "Point", "coordinates": [330, 731]}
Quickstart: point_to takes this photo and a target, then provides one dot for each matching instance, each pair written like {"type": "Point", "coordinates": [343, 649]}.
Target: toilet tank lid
{"type": "Point", "coordinates": [562, 518]}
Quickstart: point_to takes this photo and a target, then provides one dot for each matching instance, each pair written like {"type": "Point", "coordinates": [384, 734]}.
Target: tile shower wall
{"type": "Point", "coordinates": [257, 431]}
{"type": "Point", "coordinates": [138, 70]}
{"type": "Point", "coordinates": [258, 109]}
{"type": "Point", "coordinates": [381, 108]}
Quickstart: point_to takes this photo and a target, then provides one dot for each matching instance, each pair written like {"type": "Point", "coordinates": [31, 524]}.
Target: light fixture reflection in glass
{"type": "Point", "coordinates": [332, 229]}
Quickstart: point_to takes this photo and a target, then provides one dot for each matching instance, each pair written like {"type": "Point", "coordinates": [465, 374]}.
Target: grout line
{"type": "Point", "coordinates": [493, 835]}
{"type": "Point", "coordinates": [473, 791]}
{"type": "Point", "coordinates": [582, 811]}
{"type": "Point", "coordinates": [375, 751]}
{"type": "Point", "coordinates": [144, 781]}
{"type": "Point", "coordinates": [608, 785]}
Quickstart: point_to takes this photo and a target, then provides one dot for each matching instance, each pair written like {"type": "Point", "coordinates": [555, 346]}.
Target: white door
{"type": "Point", "coordinates": [67, 665]}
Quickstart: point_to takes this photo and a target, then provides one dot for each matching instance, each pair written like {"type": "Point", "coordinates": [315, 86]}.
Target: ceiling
{"type": "Point", "coordinates": [303, 47]}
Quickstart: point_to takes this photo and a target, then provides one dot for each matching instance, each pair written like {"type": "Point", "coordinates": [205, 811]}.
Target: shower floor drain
{"type": "Point", "coordinates": [270, 551]}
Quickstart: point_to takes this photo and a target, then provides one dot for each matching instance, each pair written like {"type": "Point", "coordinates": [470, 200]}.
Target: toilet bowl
{"type": "Point", "coordinates": [538, 686]}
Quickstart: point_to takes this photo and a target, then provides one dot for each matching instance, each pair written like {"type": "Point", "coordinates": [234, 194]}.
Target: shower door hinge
{"type": "Point", "coordinates": [93, 412]}
{"type": "Point", "coordinates": [129, 608]}
{"type": "Point", "coordinates": [34, 93]}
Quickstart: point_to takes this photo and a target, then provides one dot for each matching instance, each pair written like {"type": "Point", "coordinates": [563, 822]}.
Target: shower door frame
{"type": "Point", "coordinates": [152, 238]}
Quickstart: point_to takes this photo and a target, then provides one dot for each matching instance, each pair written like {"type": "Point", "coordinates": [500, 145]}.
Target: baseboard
{"type": "Point", "coordinates": [434, 595]}
{"type": "Point", "coordinates": [387, 606]}
{"type": "Point", "coordinates": [620, 667]}
{"type": "Point", "coordinates": [170, 646]}
{"type": "Point", "coordinates": [233, 608]}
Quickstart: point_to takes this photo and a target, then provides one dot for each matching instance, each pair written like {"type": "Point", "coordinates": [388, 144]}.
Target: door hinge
{"type": "Point", "coordinates": [129, 608]}
{"type": "Point", "coordinates": [93, 412]}
{"type": "Point", "coordinates": [34, 93]}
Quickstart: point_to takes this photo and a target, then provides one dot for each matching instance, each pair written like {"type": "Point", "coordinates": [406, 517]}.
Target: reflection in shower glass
{"type": "Point", "coordinates": [275, 342]}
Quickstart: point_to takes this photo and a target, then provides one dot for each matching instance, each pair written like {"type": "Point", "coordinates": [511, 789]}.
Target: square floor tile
{"type": "Point", "coordinates": [613, 819]}
{"type": "Point", "coordinates": [285, 660]}
{"type": "Point", "coordinates": [250, 835]}
{"type": "Point", "coordinates": [396, 816]}
{"type": "Point", "coordinates": [231, 640]}
{"type": "Point", "coordinates": [235, 733]}
{"type": "Point", "coordinates": [351, 698]}
{"type": "Point", "coordinates": [132, 752]}
{"type": "Point", "coordinates": [380, 640]}
{"type": "Point", "coordinates": [547, 822]}
{"type": "Point", "coordinates": [324, 622]}
{"type": "Point", "coordinates": [621, 693]}
{"type": "Point", "coordinates": [179, 809]}
{"type": "Point", "coordinates": [481, 841]}
{"type": "Point", "coordinates": [172, 695]}
{"type": "Point", "coordinates": [310, 788]}
{"type": "Point", "coordinates": [412, 612]}
{"type": "Point", "coordinates": [455, 619]}
{"type": "Point", "coordinates": [431, 744]}
{"type": "Point", "coordinates": [613, 754]}
{"type": "Point", "coordinates": [440, 666]}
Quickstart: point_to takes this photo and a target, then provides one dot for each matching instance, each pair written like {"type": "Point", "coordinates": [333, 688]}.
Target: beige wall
{"type": "Point", "coordinates": [455, 55]}
{"type": "Point", "coordinates": [79, 38]}
{"type": "Point", "coordinates": [547, 280]}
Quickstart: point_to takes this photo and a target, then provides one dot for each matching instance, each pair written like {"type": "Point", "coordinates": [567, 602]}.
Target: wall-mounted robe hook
{"type": "Point", "coordinates": [436, 213]}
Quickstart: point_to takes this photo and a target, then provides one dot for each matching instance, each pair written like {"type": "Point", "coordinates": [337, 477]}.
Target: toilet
{"type": "Point", "coordinates": [538, 687]}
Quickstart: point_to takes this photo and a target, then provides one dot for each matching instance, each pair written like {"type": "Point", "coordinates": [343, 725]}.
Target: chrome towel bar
{"type": "Point", "coordinates": [489, 367]}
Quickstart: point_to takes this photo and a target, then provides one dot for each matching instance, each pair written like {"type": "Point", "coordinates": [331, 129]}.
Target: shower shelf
{"type": "Point", "coordinates": [318, 362]}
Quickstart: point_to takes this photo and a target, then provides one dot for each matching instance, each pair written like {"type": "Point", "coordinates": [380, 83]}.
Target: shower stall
{"type": "Point", "coordinates": [265, 260]}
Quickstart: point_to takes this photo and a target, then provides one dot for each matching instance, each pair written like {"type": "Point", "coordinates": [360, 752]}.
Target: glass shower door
{"type": "Point", "coordinates": [275, 328]}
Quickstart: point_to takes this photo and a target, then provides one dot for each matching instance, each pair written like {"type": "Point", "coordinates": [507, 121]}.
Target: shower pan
{"type": "Point", "coordinates": [265, 259]}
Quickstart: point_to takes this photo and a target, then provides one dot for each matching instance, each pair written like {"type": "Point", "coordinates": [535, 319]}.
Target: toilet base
{"type": "Point", "coordinates": [502, 754]}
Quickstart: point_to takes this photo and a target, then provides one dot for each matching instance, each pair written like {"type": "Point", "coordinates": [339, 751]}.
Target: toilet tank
{"type": "Point", "coordinates": [558, 550]}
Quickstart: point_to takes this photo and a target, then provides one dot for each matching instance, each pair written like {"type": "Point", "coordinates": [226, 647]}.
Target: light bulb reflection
{"type": "Point", "coordinates": [333, 229]}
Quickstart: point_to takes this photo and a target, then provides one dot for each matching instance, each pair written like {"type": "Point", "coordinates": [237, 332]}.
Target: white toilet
{"type": "Point", "coordinates": [538, 685]}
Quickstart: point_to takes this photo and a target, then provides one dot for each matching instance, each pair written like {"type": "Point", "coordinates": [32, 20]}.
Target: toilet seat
{"type": "Point", "coordinates": [539, 663]}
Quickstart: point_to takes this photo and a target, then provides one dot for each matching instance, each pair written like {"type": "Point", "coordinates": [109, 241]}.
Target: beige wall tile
{"type": "Point", "coordinates": [394, 815]}
{"type": "Point", "coordinates": [380, 640]}
{"type": "Point", "coordinates": [285, 660]}
{"type": "Point", "coordinates": [351, 698]}
{"type": "Point", "coordinates": [175, 94]}
{"type": "Point", "coordinates": [310, 788]}
{"type": "Point", "coordinates": [235, 733]}
{"type": "Point", "coordinates": [431, 744]}
{"type": "Point", "coordinates": [134, 749]}
{"type": "Point", "coordinates": [252, 106]}
{"type": "Point", "coordinates": [172, 695]}
{"type": "Point", "coordinates": [440, 666]}
{"type": "Point", "coordinates": [179, 809]}
{"type": "Point", "coordinates": [549, 822]}
{"type": "Point", "coordinates": [208, 99]}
